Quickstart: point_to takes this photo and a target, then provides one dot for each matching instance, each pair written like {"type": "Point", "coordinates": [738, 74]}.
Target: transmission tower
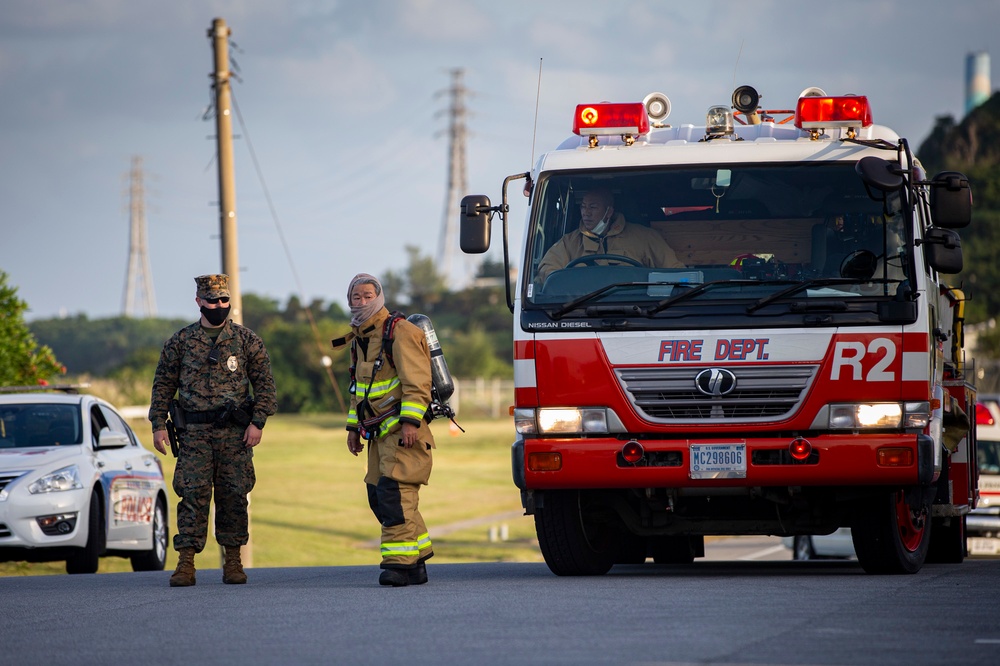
{"type": "Point", "coordinates": [457, 185]}
{"type": "Point", "coordinates": [138, 299]}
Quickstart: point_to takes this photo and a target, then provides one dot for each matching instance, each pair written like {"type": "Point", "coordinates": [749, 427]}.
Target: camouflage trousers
{"type": "Point", "coordinates": [210, 459]}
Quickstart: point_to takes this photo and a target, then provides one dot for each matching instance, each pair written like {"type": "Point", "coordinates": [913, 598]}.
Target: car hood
{"type": "Point", "coordinates": [22, 460]}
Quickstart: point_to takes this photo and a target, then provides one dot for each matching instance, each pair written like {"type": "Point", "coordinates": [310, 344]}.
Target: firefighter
{"type": "Point", "coordinates": [603, 230]}
{"type": "Point", "coordinates": [390, 395]}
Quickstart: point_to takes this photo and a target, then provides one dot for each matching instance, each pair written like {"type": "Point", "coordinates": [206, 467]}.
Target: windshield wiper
{"type": "Point", "coordinates": [577, 302]}
{"type": "Point", "coordinates": [799, 286]}
{"type": "Point", "coordinates": [694, 291]}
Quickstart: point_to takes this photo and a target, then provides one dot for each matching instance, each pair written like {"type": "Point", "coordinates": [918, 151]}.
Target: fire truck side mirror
{"type": "Point", "coordinates": [474, 231]}
{"type": "Point", "coordinates": [951, 200]}
{"type": "Point", "coordinates": [879, 174]}
{"type": "Point", "coordinates": [943, 250]}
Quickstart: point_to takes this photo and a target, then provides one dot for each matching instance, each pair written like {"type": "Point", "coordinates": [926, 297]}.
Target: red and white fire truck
{"type": "Point", "coordinates": [800, 367]}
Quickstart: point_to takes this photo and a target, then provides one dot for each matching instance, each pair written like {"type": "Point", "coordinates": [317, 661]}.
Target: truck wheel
{"type": "Point", "coordinates": [947, 541]}
{"type": "Point", "coordinates": [572, 543]}
{"type": "Point", "coordinates": [891, 536]}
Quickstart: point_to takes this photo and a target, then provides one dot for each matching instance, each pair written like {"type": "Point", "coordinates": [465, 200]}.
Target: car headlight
{"type": "Point", "coordinates": [853, 416]}
{"type": "Point", "coordinates": [67, 478]}
{"type": "Point", "coordinates": [564, 421]}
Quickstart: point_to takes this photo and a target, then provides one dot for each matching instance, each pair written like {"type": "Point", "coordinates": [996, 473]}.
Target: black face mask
{"type": "Point", "coordinates": [215, 316]}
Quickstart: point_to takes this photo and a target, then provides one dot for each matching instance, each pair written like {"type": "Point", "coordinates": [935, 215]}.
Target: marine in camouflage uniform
{"type": "Point", "coordinates": [211, 366]}
{"type": "Point", "coordinates": [393, 399]}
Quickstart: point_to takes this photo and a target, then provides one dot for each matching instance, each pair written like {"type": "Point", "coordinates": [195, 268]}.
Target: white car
{"type": "Point", "coordinates": [76, 484]}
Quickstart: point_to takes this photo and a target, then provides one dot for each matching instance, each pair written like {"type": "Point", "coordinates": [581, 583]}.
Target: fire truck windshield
{"type": "Point", "coordinates": [644, 241]}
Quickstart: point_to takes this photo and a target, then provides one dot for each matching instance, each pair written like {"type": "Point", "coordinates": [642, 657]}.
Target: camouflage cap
{"type": "Point", "coordinates": [212, 286]}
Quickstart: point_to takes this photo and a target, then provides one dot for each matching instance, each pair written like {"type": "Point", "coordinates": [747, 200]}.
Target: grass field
{"type": "Point", "coordinates": [310, 507]}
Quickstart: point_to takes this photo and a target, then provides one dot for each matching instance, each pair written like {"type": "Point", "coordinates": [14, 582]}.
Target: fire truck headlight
{"type": "Point", "coordinates": [562, 421]}
{"type": "Point", "coordinates": [866, 415]}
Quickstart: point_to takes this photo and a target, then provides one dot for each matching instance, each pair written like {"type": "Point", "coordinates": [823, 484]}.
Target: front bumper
{"type": "Point", "coordinates": [839, 460]}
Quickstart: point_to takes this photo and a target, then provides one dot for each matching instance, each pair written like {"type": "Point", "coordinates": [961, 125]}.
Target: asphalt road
{"type": "Point", "coordinates": [743, 610]}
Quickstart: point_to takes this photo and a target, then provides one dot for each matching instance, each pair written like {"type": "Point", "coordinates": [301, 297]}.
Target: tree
{"type": "Point", "coordinates": [22, 360]}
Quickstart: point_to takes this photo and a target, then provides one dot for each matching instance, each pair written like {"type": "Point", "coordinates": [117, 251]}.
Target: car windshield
{"type": "Point", "coordinates": [757, 233]}
{"type": "Point", "coordinates": [989, 456]}
{"type": "Point", "coordinates": [28, 425]}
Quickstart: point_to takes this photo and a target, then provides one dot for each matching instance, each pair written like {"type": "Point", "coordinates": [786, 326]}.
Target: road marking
{"type": "Point", "coordinates": [988, 641]}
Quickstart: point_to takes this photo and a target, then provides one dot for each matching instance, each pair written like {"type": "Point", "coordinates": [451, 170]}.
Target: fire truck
{"type": "Point", "coordinates": [799, 368]}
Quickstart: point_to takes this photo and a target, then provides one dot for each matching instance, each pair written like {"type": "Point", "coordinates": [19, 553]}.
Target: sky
{"type": "Point", "coordinates": [341, 160]}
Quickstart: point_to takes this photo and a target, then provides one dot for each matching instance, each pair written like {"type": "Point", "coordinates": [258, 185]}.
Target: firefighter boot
{"type": "Point", "coordinates": [417, 575]}
{"type": "Point", "coordinates": [232, 570]}
{"type": "Point", "coordinates": [184, 575]}
{"type": "Point", "coordinates": [394, 577]}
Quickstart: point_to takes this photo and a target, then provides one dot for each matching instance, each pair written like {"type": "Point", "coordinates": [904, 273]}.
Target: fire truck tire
{"type": "Point", "coordinates": [890, 536]}
{"type": "Point", "coordinates": [947, 541]}
{"type": "Point", "coordinates": [571, 543]}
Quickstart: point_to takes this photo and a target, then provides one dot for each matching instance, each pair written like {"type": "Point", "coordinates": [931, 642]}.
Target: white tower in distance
{"type": "Point", "coordinates": [138, 299]}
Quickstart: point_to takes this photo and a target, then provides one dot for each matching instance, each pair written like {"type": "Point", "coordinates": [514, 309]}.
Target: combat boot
{"type": "Point", "coordinates": [232, 570]}
{"type": "Point", "coordinates": [184, 575]}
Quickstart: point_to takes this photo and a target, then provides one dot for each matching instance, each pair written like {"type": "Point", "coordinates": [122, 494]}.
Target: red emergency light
{"type": "Point", "coordinates": [813, 112]}
{"type": "Point", "coordinates": [983, 415]}
{"type": "Point", "coordinates": [800, 449]}
{"type": "Point", "coordinates": [610, 118]}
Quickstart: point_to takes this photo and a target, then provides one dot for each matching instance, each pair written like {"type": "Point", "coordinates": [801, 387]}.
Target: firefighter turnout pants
{"type": "Point", "coordinates": [395, 474]}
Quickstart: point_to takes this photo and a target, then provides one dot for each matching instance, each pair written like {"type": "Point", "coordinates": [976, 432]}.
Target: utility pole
{"type": "Point", "coordinates": [219, 33]}
{"type": "Point", "coordinates": [457, 185]}
{"type": "Point", "coordinates": [138, 297]}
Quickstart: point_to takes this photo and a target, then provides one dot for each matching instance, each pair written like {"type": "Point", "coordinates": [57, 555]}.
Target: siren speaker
{"type": "Point", "coordinates": [745, 99]}
{"type": "Point", "coordinates": [657, 106]}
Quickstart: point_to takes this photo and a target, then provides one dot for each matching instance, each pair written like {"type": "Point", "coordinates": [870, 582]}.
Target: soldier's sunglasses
{"type": "Point", "coordinates": [215, 301]}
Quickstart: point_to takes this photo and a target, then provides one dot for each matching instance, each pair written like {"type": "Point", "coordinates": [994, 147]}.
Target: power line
{"type": "Point", "coordinates": [288, 254]}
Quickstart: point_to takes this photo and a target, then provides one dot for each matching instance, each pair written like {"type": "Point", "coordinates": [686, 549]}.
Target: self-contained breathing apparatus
{"type": "Point", "coordinates": [442, 384]}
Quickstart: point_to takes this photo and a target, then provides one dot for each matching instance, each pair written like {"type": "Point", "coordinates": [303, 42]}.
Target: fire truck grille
{"type": "Point", "coordinates": [760, 393]}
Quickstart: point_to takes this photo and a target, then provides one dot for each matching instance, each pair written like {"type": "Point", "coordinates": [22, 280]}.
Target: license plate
{"type": "Point", "coordinates": [984, 546]}
{"type": "Point", "coordinates": [718, 461]}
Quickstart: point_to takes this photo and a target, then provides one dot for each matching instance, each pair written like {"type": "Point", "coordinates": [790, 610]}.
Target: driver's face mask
{"type": "Point", "coordinates": [602, 225]}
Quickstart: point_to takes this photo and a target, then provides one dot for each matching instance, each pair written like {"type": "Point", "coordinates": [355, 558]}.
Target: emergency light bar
{"type": "Point", "coordinates": [824, 112]}
{"type": "Point", "coordinates": [610, 119]}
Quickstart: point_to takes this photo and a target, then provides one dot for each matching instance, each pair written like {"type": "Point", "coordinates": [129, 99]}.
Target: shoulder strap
{"type": "Point", "coordinates": [388, 332]}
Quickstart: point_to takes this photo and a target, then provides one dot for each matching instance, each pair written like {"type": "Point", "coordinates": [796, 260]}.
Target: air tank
{"type": "Point", "coordinates": [444, 385]}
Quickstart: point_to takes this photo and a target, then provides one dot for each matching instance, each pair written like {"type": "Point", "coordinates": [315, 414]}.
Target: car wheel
{"type": "Point", "coordinates": [802, 548]}
{"type": "Point", "coordinates": [86, 560]}
{"type": "Point", "coordinates": [155, 559]}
